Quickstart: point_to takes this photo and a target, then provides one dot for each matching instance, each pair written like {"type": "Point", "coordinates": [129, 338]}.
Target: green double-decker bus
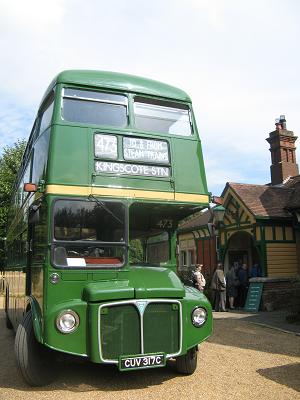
{"type": "Point", "coordinates": [112, 164]}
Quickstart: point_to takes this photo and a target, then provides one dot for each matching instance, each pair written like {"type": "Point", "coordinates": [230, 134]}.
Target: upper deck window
{"type": "Point", "coordinates": [162, 116]}
{"type": "Point", "coordinates": [46, 117]}
{"type": "Point", "coordinates": [96, 108]}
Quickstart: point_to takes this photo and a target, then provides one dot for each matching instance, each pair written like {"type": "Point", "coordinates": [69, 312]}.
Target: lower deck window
{"type": "Point", "coordinates": [69, 255]}
{"type": "Point", "coordinates": [88, 233]}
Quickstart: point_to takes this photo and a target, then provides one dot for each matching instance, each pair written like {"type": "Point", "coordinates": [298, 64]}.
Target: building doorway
{"type": "Point", "coordinates": [241, 250]}
{"type": "Point", "coordinates": [236, 257]}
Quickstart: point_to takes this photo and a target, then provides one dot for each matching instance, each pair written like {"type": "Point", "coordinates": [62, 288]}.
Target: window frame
{"type": "Point", "coordinates": [166, 240]}
{"type": "Point", "coordinates": [55, 242]}
{"type": "Point", "coordinates": [35, 131]}
{"type": "Point", "coordinates": [118, 103]}
{"type": "Point", "coordinates": [49, 103]}
{"type": "Point", "coordinates": [163, 102]}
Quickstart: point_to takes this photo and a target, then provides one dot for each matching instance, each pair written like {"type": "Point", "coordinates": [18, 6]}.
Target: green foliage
{"type": "Point", "coordinates": [9, 164]}
{"type": "Point", "coordinates": [135, 251]}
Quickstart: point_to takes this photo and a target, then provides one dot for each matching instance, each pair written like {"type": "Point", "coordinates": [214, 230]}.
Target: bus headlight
{"type": "Point", "coordinates": [67, 321]}
{"type": "Point", "coordinates": [199, 316]}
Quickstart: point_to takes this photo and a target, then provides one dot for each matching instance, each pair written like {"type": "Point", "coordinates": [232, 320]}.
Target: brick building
{"type": "Point", "coordinates": [261, 225]}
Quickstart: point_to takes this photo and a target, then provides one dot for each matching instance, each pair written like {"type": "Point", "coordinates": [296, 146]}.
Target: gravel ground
{"type": "Point", "coordinates": [240, 361]}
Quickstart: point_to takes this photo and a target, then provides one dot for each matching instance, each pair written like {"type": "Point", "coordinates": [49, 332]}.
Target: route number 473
{"type": "Point", "coordinates": [165, 223]}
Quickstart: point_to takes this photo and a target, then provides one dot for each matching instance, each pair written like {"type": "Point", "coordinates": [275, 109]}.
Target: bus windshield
{"type": "Point", "coordinates": [88, 233]}
{"type": "Point", "coordinates": [150, 250]}
{"type": "Point", "coordinates": [150, 226]}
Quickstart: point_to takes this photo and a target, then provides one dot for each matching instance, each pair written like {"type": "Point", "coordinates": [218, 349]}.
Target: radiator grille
{"type": "Point", "coordinates": [120, 331]}
{"type": "Point", "coordinates": [161, 328]}
{"type": "Point", "coordinates": [126, 329]}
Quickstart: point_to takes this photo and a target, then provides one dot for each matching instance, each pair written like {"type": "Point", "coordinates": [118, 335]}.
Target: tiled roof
{"type": "Point", "coordinates": [263, 200]}
{"type": "Point", "coordinates": [294, 200]}
{"type": "Point", "coordinates": [196, 221]}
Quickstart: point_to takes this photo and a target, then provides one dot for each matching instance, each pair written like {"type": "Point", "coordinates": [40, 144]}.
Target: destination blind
{"type": "Point", "coordinates": [132, 169]}
{"type": "Point", "coordinates": [134, 149]}
{"type": "Point", "coordinates": [154, 151]}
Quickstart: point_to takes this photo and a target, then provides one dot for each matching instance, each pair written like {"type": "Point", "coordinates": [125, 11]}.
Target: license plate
{"type": "Point", "coordinates": [140, 362]}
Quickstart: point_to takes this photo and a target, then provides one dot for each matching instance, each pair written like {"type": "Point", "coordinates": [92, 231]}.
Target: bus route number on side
{"type": "Point", "coordinates": [165, 223]}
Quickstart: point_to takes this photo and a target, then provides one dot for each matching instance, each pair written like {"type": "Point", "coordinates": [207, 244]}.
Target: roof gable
{"type": "Point", "coordinates": [196, 221]}
{"type": "Point", "coordinates": [237, 212]}
{"type": "Point", "coordinates": [261, 200]}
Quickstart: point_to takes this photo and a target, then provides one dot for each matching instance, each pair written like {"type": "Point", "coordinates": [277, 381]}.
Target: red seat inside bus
{"type": "Point", "coordinates": [103, 260]}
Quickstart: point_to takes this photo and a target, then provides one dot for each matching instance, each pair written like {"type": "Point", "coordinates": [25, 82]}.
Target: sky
{"type": "Point", "coordinates": [238, 60]}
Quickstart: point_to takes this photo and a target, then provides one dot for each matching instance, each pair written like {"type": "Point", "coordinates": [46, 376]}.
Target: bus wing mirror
{"type": "Point", "coordinates": [30, 187]}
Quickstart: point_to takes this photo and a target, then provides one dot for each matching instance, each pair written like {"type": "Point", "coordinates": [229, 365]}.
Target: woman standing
{"type": "Point", "coordinates": [200, 281]}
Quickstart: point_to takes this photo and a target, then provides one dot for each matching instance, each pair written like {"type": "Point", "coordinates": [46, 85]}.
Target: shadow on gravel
{"type": "Point", "coordinates": [237, 332]}
{"type": "Point", "coordinates": [288, 375]}
{"type": "Point", "coordinates": [78, 375]}
{"type": "Point", "coordinates": [86, 376]}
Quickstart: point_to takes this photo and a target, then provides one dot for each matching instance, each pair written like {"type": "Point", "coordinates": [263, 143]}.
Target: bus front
{"type": "Point", "coordinates": [125, 166]}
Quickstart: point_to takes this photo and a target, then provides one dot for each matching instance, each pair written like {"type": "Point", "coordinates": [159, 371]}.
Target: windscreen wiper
{"type": "Point", "coordinates": [104, 206]}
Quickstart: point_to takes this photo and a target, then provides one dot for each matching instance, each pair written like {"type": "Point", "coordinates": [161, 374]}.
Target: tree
{"type": "Point", "coordinates": [136, 251]}
{"type": "Point", "coordinates": [9, 164]}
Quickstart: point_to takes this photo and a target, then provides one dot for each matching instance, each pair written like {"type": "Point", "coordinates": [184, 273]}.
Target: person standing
{"type": "Point", "coordinates": [255, 271]}
{"type": "Point", "coordinates": [232, 282]}
{"type": "Point", "coordinates": [243, 287]}
{"type": "Point", "coordinates": [218, 285]}
{"type": "Point", "coordinates": [200, 281]}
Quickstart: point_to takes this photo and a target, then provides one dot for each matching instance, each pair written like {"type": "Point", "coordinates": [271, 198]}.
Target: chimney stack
{"type": "Point", "coordinates": [283, 152]}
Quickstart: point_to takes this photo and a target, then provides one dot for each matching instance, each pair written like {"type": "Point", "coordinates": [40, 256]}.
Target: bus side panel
{"type": "Point", "coordinates": [192, 336]}
{"type": "Point", "coordinates": [38, 260]}
{"type": "Point", "coordinates": [37, 319]}
{"type": "Point", "coordinates": [69, 156]}
{"type": "Point", "coordinates": [188, 179]}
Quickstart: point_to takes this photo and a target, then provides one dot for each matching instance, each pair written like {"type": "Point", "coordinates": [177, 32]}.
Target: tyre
{"type": "Point", "coordinates": [34, 360]}
{"type": "Point", "coordinates": [187, 363]}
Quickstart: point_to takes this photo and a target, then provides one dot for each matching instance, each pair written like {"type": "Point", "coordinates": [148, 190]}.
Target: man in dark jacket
{"type": "Point", "coordinates": [243, 287]}
{"type": "Point", "coordinates": [218, 285]}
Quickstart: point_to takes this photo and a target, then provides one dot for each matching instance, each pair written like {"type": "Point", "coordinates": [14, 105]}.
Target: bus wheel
{"type": "Point", "coordinates": [187, 364]}
{"type": "Point", "coordinates": [34, 360]}
{"type": "Point", "coordinates": [8, 323]}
